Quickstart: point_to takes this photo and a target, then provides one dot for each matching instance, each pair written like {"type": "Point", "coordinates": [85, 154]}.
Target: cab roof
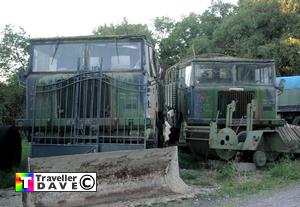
{"type": "Point", "coordinates": [87, 38]}
{"type": "Point", "coordinates": [229, 59]}
{"type": "Point", "coordinates": [222, 59]}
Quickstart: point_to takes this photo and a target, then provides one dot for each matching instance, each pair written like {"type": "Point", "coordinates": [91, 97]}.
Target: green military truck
{"type": "Point", "coordinates": [226, 105]}
{"type": "Point", "coordinates": [89, 94]}
{"type": "Point", "coordinates": [289, 99]}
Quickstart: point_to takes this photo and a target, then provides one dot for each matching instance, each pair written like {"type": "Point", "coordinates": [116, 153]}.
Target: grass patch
{"type": "Point", "coordinates": [231, 182]}
{"type": "Point", "coordinates": [7, 178]}
{"type": "Point", "coordinates": [286, 168]}
{"type": "Point", "coordinates": [201, 177]}
{"type": "Point", "coordinates": [277, 174]}
{"type": "Point", "coordinates": [193, 172]}
{"type": "Point", "coordinates": [247, 183]}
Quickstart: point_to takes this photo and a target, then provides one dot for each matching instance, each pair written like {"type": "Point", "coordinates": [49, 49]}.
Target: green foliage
{"type": "Point", "coordinates": [14, 49]}
{"type": "Point", "coordinates": [173, 47]}
{"type": "Point", "coordinates": [233, 182]}
{"type": "Point", "coordinates": [228, 171]}
{"type": "Point", "coordinates": [253, 29]}
{"type": "Point", "coordinates": [12, 101]}
{"type": "Point", "coordinates": [188, 175]}
{"type": "Point", "coordinates": [199, 176]}
{"type": "Point", "coordinates": [163, 26]}
{"type": "Point", "coordinates": [7, 178]}
{"type": "Point", "coordinates": [124, 28]}
{"type": "Point", "coordinates": [192, 35]}
{"type": "Point", "coordinates": [279, 173]}
{"type": "Point", "coordinates": [261, 29]}
{"type": "Point", "coordinates": [286, 168]}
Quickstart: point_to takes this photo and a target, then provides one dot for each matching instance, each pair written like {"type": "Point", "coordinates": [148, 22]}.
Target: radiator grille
{"type": "Point", "coordinates": [82, 98]}
{"type": "Point", "coordinates": [242, 98]}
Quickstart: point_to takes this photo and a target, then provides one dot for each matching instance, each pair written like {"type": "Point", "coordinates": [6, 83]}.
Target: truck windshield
{"type": "Point", "coordinates": [241, 73]}
{"type": "Point", "coordinates": [213, 73]}
{"type": "Point", "coordinates": [93, 55]}
{"type": "Point", "coordinates": [254, 73]}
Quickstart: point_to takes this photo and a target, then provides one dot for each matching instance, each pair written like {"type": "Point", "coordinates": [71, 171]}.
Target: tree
{"type": "Point", "coordinates": [125, 28]}
{"type": "Point", "coordinates": [12, 101]}
{"type": "Point", "coordinates": [263, 29]}
{"type": "Point", "coordinates": [192, 35]}
{"type": "Point", "coordinates": [253, 29]}
{"type": "Point", "coordinates": [210, 20]}
{"type": "Point", "coordinates": [173, 47]}
{"type": "Point", "coordinates": [163, 27]}
{"type": "Point", "coordinates": [14, 50]}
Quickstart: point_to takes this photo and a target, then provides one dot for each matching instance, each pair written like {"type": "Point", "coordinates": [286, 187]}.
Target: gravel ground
{"type": "Point", "coordinates": [287, 197]}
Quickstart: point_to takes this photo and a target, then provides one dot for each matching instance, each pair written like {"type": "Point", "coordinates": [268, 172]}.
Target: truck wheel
{"type": "Point", "coordinates": [10, 147]}
{"type": "Point", "coordinates": [259, 158]}
{"type": "Point", "coordinates": [296, 121]}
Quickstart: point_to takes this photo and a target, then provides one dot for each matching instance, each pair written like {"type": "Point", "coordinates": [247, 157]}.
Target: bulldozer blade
{"type": "Point", "coordinates": [124, 178]}
{"type": "Point", "coordinates": [290, 135]}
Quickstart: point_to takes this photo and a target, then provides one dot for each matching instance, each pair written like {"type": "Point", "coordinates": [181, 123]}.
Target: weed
{"type": "Point", "coordinates": [201, 177]}
{"type": "Point", "coordinates": [228, 171]}
{"type": "Point", "coordinates": [277, 174]}
{"type": "Point", "coordinates": [188, 175]}
{"type": "Point", "coordinates": [286, 168]}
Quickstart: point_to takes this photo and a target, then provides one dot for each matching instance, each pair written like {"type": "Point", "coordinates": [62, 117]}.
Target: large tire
{"type": "Point", "coordinates": [10, 147]}
{"type": "Point", "coordinates": [296, 121]}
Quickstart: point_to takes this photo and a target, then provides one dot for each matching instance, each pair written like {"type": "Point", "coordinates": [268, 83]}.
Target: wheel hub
{"type": "Point", "coordinates": [259, 158]}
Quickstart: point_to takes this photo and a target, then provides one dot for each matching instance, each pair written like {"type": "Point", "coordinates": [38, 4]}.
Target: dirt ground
{"type": "Point", "coordinates": [287, 197]}
{"type": "Point", "coordinates": [9, 198]}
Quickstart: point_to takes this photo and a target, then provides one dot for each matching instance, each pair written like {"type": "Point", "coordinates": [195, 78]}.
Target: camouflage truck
{"type": "Point", "coordinates": [90, 94]}
{"type": "Point", "coordinates": [289, 99]}
{"type": "Point", "coordinates": [225, 105]}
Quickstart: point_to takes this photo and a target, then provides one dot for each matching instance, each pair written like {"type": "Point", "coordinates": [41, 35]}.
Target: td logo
{"type": "Point", "coordinates": [24, 182]}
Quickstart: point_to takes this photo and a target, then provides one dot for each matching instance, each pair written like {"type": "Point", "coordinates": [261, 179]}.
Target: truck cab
{"type": "Point", "coordinates": [90, 94]}
{"type": "Point", "coordinates": [204, 95]}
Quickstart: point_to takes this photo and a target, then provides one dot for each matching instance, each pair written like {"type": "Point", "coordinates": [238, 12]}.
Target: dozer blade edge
{"type": "Point", "coordinates": [124, 178]}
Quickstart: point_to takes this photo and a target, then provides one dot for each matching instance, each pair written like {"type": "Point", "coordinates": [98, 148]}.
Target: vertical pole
{"type": "Point", "coordinates": [229, 113]}
{"type": "Point", "coordinates": [251, 108]}
{"type": "Point", "coordinates": [98, 107]}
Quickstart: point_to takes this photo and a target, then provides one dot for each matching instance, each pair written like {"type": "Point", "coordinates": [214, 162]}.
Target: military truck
{"type": "Point", "coordinates": [90, 94]}
{"type": "Point", "coordinates": [220, 105]}
{"type": "Point", "coordinates": [289, 99]}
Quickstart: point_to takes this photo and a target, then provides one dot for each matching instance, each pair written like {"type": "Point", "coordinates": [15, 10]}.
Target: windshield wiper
{"type": "Point", "coordinates": [55, 51]}
{"type": "Point", "coordinates": [117, 51]}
